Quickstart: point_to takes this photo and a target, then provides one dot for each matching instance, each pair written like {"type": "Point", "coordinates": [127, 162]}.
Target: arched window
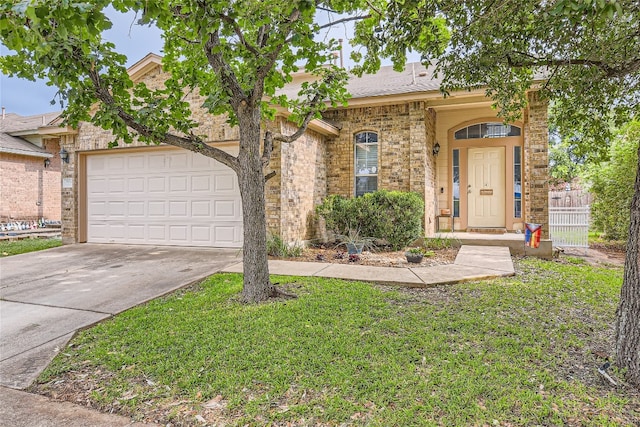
{"type": "Point", "coordinates": [487, 130]}
{"type": "Point", "coordinates": [366, 162]}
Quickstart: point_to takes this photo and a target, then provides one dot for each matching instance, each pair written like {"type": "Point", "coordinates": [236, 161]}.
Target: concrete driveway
{"type": "Point", "coordinates": [46, 296]}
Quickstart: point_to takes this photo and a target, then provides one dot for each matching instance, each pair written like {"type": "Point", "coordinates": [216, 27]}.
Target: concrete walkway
{"type": "Point", "coordinates": [472, 263]}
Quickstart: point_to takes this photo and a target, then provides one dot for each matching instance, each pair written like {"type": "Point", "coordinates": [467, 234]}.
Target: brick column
{"type": "Point", "coordinates": [422, 124]}
{"type": "Point", "coordinates": [536, 163]}
{"type": "Point", "coordinates": [69, 185]}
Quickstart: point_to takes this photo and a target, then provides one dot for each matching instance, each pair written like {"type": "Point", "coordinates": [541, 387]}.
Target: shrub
{"type": "Point", "coordinates": [279, 248]}
{"type": "Point", "coordinates": [612, 185]}
{"type": "Point", "coordinates": [394, 216]}
{"type": "Point", "coordinates": [441, 243]}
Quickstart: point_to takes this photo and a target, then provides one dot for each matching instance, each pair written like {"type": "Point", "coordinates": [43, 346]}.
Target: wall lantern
{"type": "Point", "coordinates": [47, 162]}
{"type": "Point", "coordinates": [436, 149]}
{"type": "Point", "coordinates": [64, 155]}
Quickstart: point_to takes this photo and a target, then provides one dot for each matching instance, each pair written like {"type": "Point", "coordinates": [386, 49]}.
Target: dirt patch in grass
{"type": "Point", "coordinates": [337, 255]}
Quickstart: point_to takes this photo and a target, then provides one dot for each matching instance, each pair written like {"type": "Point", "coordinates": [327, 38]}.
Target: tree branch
{"type": "Point", "coordinates": [270, 175]}
{"type": "Point", "coordinates": [303, 127]}
{"type": "Point", "coordinates": [272, 57]}
{"type": "Point", "coordinates": [191, 143]}
{"type": "Point", "coordinates": [238, 31]}
{"type": "Point", "coordinates": [610, 71]}
{"type": "Point", "coordinates": [267, 149]}
{"type": "Point", "coordinates": [223, 70]}
{"type": "Point", "coordinates": [343, 20]}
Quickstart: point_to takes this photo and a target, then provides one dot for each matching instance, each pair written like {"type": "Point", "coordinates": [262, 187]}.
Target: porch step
{"type": "Point", "coordinates": [492, 230]}
{"type": "Point", "coordinates": [514, 241]}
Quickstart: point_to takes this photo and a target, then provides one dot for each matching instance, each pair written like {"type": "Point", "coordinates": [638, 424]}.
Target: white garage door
{"type": "Point", "coordinates": [162, 197]}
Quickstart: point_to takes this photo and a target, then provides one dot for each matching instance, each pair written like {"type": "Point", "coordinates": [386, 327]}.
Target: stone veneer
{"type": "Point", "coordinates": [406, 135]}
{"type": "Point", "coordinates": [536, 163]}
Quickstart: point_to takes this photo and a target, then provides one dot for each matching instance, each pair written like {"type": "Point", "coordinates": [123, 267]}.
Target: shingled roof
{"type": "Point", "coordinates": [12, 124]}
{"type": "Point", "coordinates": [415, 78]}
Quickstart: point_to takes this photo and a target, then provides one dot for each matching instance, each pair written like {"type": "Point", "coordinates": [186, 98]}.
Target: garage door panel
{"type": "Point", "coordinates": [178, 161]}
{"type": "Point", "coordinates": [169, 198]}
{"type": "Point", "coordinates": [136, 232]}
{"type": "Point", "coordinates": [178, 233]}
{"type": "Point", "coordinates": [178, 184]}
{"type": "Point", "coordinates": [156, 162]}
{"type": "Point", "coordinates": [136, 209]}
{"type": "Point", "coordinates": [116, 209]}
{"type": "Point", "coordinates": [136, 185]}
{"type": "Point", "coordinates": [98, 209]}
{"type": "Point", "coordinates": [224, 182]}
{"type": "Point", "coordinates": [201, 233]}
{"type": "Point", "coordinates": [115, 185]}
{"type": "Point", "coordinates": [204, 163]}
{"type": "Point", "coordinates": [156, 208]}
{"type": "Point", "coordinates": [97, 186]}
{"type": "Point", "coordinates": [201, 183]}
{"type": "Point", "coordinates": [157, 233]}
{"type": "Point", "coordinates": [116, 163]}
{"type": "Point", "coordinates": [156, 184]}
{"type": "Point", "coordinates": [201, 209]}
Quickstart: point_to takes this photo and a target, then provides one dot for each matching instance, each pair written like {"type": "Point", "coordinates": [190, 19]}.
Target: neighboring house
{"type": "Point", "coordinates": [397, 133]}
{"type": "Point", "coordinates": [29, 168]}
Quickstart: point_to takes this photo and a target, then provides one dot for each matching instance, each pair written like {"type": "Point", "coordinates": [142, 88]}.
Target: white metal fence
{"type": "Point", "coordinates": [569, 227]}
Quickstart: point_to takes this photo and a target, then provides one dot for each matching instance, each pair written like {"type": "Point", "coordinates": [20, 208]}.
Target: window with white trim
{"type": "Point", "coordinates": [366, 162]}
{"type": "Point", "coordinates": [487, 130]}
{"type": "Point", "coordinates": [517, 182]}
{"type": "Point", "coordinates": [456, 183]}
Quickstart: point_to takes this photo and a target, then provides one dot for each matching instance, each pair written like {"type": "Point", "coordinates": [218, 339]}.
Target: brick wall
{"type": "Point", "coordinates": [28, 190]}
{"type": "Point", "coordinates": [406, 135]}
{"type": "Point", "coordinates": [392, 123]}
{"type": "Point", "coordinates": [536, 163]}
{"type": "Point", "coordinates": [303, 184]}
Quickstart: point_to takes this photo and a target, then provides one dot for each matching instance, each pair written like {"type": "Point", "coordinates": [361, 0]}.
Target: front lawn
{"type": "Point", "coordinates": [15, 247]}
{"type": "Point", "coordinates": [512, 352]}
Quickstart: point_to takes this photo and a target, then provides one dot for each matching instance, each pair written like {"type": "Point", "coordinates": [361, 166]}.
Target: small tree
{"type": "Point", "coordinates": [612, 184]}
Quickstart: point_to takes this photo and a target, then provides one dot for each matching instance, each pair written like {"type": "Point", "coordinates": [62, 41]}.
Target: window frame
{"type": "Point", "coordinates": [369, 174]}
{"type": "Point", "coordinates": [517, 173]}
{"type": "Point", "coordinates": [483, 131]}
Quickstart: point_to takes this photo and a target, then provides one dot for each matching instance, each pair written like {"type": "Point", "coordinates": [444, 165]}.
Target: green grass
{"type": "Point", "coordinates": [16, 247]}
{"type": "Point", "coordinates": [504, 352]}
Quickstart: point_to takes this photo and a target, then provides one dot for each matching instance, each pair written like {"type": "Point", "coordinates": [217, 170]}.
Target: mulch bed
{"type": "Point", "coordinates": [381, 258]}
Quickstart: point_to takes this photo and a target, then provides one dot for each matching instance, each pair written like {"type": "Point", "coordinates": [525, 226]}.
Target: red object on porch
{"type": "Point", "coordinates": [532, 234]}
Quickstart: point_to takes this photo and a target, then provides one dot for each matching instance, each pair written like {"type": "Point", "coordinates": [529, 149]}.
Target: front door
{"type": "Point", "coordinates": [486, 187]}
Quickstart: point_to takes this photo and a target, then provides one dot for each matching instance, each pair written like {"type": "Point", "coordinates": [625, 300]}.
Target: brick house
{"type": "Point", "coordinates": [30, 168]}
{"type": "Point", "coordinates": [397, 133]}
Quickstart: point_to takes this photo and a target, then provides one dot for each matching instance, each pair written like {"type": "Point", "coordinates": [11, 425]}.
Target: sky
{"type": "Point", "coordinates": [26, 98]}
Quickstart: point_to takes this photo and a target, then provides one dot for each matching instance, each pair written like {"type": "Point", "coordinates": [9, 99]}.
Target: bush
{"type": "Point", "coordinates": [279, 248]}
{"type": "Point", "coordinates": [612, 185]}
{"type": "Point", "coordinates": [394, 216]}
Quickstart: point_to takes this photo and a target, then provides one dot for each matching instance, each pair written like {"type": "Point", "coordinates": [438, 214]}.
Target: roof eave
{"type": "Point", "coordinates": [25, 152]}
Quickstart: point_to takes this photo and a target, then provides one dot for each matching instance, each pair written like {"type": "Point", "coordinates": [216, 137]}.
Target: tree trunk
{"type": "Point", "coordinates": [628, 320]}
{"type": "Point", "coordinates": [256, 284]}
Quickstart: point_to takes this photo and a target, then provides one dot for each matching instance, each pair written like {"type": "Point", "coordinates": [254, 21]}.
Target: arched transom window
{"type": "Point", "coordinates": [366, 162]}
{"type": "Point", "coordinates": [487, 130]}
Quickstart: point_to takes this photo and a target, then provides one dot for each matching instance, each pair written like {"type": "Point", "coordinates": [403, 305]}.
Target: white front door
{"type": "Point", "coordinates": [486, 189]}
